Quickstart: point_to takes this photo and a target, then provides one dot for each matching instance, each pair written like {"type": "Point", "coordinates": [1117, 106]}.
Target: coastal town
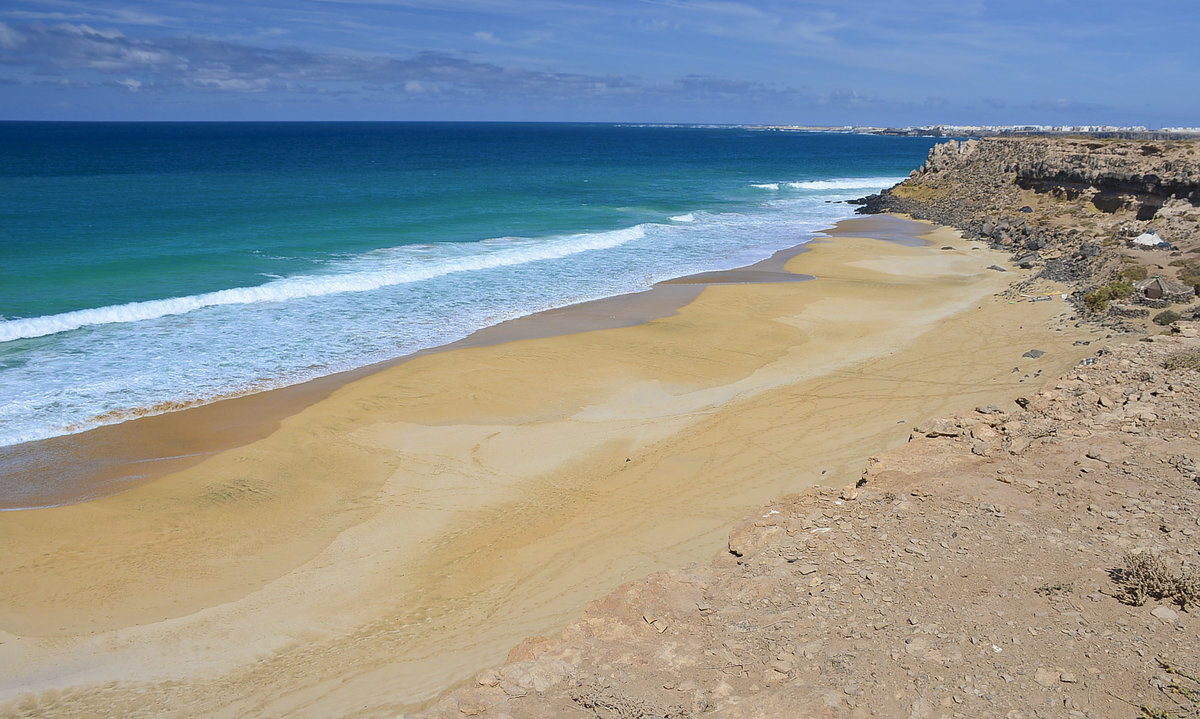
{"type": "Point", "coordinates": [1137, 132]}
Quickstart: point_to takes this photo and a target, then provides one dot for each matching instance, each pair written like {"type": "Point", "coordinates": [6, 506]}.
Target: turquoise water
{"type": "Point", "coordinates": [143, 264]}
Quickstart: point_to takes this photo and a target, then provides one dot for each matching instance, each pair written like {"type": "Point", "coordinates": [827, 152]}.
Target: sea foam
{"type": "Point", "coordinates": [498, 252]}
{"type": "Point", "coordinates": [833, 185]}
{"type": "Point", "coordinates": [847, 183]}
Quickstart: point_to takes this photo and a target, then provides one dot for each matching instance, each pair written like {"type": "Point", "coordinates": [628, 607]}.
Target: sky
{"type": "Point", "coordinates": [806, 62]}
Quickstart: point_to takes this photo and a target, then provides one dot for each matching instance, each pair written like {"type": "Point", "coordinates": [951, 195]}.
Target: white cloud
{"type": "Point", "coordinates": [9, 38]}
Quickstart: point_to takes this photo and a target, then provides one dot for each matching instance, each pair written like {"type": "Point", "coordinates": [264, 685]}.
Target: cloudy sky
{"type": "Point", "coordinates": [883, 62]}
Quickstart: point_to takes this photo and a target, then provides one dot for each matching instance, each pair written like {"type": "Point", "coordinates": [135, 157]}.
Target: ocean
{"type": "Point", "coordinates": [145, 266]}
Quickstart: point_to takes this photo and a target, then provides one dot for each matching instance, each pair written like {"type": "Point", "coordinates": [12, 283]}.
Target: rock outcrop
{"type": "Point", "coordinates": [1067, 206]}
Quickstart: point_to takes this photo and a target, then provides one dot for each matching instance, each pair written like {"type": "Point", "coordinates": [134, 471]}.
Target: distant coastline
{"type": "Point", "coordinates": [1113, 132]}
{"type": "Point", "coordinates": [1136, 132]}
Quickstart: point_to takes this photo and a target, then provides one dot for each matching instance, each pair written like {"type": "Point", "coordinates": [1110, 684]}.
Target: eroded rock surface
{"type": "Point", "coordinates": [1070, 207]}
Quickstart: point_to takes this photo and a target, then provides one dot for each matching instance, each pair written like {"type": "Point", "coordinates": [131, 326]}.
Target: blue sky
{"type": "Point", "coordinates": [706, 61]}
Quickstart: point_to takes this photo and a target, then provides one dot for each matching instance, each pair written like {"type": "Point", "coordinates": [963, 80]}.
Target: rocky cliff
{"type": "Point", "coordinates": [1069, 206]}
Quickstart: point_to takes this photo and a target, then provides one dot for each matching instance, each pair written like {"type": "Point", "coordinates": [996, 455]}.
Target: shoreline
{"type": "Point", "coordinates": [393, 538]}
{"type": "Point", "coordinates": [112, 458]}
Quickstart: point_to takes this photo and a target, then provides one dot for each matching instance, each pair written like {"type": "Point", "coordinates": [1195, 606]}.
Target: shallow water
{"type": "Point", "coordinates": [148, 265]}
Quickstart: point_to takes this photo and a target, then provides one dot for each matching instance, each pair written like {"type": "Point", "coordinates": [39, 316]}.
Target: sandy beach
{"type": "Point", "coordinates": [378, 545]}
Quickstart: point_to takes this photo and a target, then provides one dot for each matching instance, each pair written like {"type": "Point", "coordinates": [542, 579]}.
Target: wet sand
{"type": "Point", "coordinates": [387, 540]}
{"type": "Point", "coordinates": [113, 458]}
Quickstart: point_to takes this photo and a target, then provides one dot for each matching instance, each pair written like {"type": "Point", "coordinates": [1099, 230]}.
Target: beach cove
{"type": "Point", "coordinates": [388, 541]}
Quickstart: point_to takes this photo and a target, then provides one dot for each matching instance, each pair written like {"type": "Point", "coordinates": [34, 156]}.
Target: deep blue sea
{"type": "Point", "coordinates": [143, 264]}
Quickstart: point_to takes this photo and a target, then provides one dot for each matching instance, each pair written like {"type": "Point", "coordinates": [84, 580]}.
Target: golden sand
{"type": "Point", "coordinates": [395, 537]}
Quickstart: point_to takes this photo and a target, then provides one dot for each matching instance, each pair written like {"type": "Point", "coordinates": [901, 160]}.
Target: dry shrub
{"type": "Point", "coordinates": [1187, 589]}
{"type": "Point", "coordinates": [1185, 359]}
{"type": "Point", "coordinates": [1146, 575]}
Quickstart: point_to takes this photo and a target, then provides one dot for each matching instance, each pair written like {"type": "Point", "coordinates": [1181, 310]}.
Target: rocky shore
{"type": "Point", "coordinates": [1037, 559]}
{"type": "Point", "coordinates": [1072, 208]}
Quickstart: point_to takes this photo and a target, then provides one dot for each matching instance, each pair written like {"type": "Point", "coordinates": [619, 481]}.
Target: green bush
{"type": "Point", "coordinates": [1166, 317]}
{"type": "Point", "coordinates": [1189, 272]}
{"type": "Point", "coordinates": [1098, 299]}
{"type": "Point", "coordinates": [1135, 274]}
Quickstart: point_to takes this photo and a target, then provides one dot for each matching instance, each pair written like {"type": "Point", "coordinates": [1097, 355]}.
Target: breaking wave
{"type": "Point", "coordinates": [838, 183]}
{"type": "Point", "coordinates": [504, 252]}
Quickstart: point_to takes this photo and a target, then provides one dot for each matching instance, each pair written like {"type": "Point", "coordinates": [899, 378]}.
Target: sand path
{"type": "Point", "coordinates": [390, 540]}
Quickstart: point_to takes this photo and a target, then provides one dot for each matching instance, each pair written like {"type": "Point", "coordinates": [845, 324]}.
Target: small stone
{"type": "Point", "coordinates": [920, 708]}
{"type": "Point", "coordinates": [1165, 613]}
{"type": "Point", "coordinates": [1067, 678]}
{"type": "Point", "coordinates": [984, 432]}
{"type": "Point", "coordinates": [489, 678]}
{"type": "Point", "coordinates": [1033, 354]}
{"type": "Point", "coordinates": [655, 621]}
{"type": "Point", "coordinates": [1046, 677]}
{"type": "Point", "coordinates": [806, 569]}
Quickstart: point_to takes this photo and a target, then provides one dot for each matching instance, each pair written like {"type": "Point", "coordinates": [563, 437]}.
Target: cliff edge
{"type": "Point", "coordinates": [1085, 211]}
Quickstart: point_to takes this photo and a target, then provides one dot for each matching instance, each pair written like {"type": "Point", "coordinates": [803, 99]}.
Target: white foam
{"type": "Point", "coordinates": [517, 252]}
{"type": "Point", "coordinates": [847, 183]}
{"type": "Point", "coordinates": [82, 379]}
{"type": "Point", "coordinates": [689, 217]}
{"type": "Point", "coordinates": [767, 186]}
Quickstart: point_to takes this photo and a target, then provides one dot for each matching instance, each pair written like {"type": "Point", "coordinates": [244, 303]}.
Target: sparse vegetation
{"type": "Point", "coordinates": [1145, 575]}
{"type": "Point", "coordinates": [1189, 271]}
{"type": "Point", "coordinates": [1187, 589]}
{"type": "Point", "coordinates": [1183, 689]}
{"type": "Point", "coordinates": [1166, 317]}
{"type": "Point", "coordinates": [1135, 273]}
{"type": "Point", "coordinates": [1186, 359]}
{"type": "Point", "coordinates": [1097, 300]}
{"type": "Point", "coordinates": [1050, 590]}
